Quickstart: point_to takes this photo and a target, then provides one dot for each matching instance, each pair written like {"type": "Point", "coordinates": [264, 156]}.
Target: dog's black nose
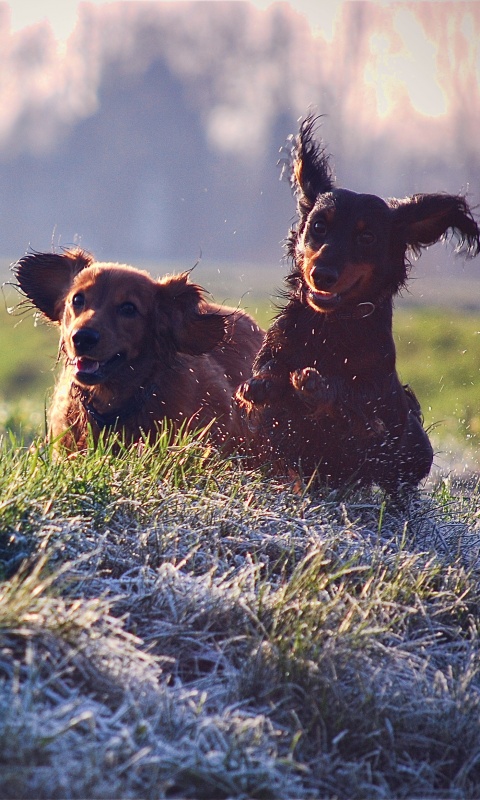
{"type": "Point", "coordinates": [324, 277]}
{"type": "Point", "coordinates": [85, 340]}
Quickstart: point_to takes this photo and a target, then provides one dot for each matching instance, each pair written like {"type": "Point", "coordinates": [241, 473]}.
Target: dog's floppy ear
{"type": "Point", "coordinates": [45, 278]}
{"type": "Point", "coordinates": [194, 329]}
{"type": "Point", "coordinates": [423, 219]}
{"type": "Point", "coordinates": [311, 173]}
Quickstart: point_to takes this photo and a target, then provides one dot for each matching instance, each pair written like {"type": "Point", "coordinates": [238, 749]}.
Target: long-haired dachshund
{"type": "Point", "coordinates": [325, 397]}
{"type": "Point", "coordinates": [135, 350]}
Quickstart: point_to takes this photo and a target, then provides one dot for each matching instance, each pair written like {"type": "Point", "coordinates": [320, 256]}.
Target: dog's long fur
{"type": "Point", "coordinates": [325, 396]}
{"type": "Point", "coordinates": [136, 351]}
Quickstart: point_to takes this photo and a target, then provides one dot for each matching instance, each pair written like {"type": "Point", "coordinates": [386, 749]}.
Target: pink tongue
{"type": "Point", "coordinates": [86, 365]}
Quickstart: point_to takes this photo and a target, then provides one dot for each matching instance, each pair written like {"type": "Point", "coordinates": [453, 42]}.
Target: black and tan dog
{"type": "Point", "coordinates": [325, 396]}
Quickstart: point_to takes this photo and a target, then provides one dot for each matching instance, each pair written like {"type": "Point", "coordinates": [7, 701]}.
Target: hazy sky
{"type": "Point", "coordinates": [62, 14]}
{"type": "Point", "coordinates": [398, 83]}
{"type": "Point", "coordinates": [409, 66]}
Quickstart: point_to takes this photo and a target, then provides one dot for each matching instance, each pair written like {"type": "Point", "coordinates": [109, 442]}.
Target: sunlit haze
{"type": "Point", "coordinates": [177, 111]}
{"type": "Point", "coordinates": [62, 14]}
{"type": "Point", "coordinates": [402, 62]}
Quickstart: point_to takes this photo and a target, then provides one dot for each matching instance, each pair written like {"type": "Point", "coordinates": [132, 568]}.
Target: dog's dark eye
{"type": "Point", "coordinates": [78, 301]}
{"type": "Point", "coordinates": [319, 228]}
{"type": "Point", "coordinates": [366, 237]}
{"type": "Point", "coordinates": [127, 309]}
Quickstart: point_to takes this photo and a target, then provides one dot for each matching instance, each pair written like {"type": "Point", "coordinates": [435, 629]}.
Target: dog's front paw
{"type": "Point", "coordinates": [308, 380]}
{"type": "Point", "coordinates": [311, 387]}
{"type": "Point", "coordinates": [254, 392]}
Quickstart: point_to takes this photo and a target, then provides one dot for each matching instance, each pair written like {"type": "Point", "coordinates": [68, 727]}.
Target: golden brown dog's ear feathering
{"type": "Point", "coordinates": [45, 278]}
{"type": "Point", "coordinates": [194, 328]}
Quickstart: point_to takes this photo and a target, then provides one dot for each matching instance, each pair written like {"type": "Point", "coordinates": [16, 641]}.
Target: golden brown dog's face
{"type": "Point", "coordinates": [107, 321]}
{"type": "Point", "coordinates": [115, 320]}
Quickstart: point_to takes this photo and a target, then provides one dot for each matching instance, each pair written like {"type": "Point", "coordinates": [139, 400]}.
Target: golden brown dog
{"type": "Point", "coordinates": [136, 351]}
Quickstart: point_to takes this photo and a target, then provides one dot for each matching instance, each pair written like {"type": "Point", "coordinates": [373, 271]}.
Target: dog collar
{"type": "Point", "coordinates": [361, 311]}
{"type": "Point", "coordinates": [117, 417]}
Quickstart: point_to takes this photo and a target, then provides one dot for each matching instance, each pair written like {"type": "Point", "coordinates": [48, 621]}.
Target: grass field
{"type": "Point", "coordinates": [173, 626]}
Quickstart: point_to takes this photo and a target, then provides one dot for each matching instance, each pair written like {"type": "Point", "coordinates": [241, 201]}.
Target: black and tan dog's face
{"type": "Point", "coordinates": [350, 248]}
{"type": "Point", "coordinates": [116, 321]}
{"type": "Point", "coordinates": [343, 252]}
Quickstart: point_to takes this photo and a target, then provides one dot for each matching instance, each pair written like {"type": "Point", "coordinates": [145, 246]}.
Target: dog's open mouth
{"type": "Point", "coordinates": [328, 301]}
{"type": "Point", "coordinates": [89, 371]}
{"type": "Point", "coordinates": [324, 300]}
